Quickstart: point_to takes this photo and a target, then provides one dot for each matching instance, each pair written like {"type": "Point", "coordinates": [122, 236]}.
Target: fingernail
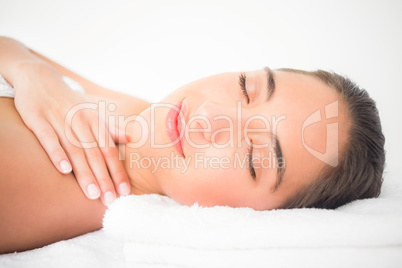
{"type": "Point", "coordinates": [124, 189]}
{"type": "Point", "coordinates": [109, 198]}
{"type": "Point", "coordinates": [65, 166]}
{"type": "Point", "coordinates": [93, 191]}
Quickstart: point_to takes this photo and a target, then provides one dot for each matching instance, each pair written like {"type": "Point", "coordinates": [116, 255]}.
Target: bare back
{"type": "Point", "coordinates": [38, 205]}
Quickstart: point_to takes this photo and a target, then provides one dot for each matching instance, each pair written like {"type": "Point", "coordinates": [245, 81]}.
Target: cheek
{"type": "Point", "coordinates": [205, 186]}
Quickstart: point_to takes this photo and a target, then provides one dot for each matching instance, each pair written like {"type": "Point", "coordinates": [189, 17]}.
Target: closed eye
{"type": "Point", "coordinates": [250, 161]}
{"type": "Point", "coordinates": [242, 83]}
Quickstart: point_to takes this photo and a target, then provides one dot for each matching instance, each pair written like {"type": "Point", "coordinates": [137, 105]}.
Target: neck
{"type": "Point", "coordinates": [142, 180]}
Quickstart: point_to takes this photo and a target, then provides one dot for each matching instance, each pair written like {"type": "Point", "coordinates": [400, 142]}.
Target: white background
{"type": "Point", "coordinates": [149, 48]}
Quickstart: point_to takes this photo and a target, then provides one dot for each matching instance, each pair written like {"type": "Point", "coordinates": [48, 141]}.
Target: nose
{"type": "Point", "coordinates": [216, 122]}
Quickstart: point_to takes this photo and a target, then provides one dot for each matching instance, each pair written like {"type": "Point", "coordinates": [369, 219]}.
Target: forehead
{"type": "Point", "coordinates": [304, 87]}
{"type": "Point", "coordinates": [309, 135]}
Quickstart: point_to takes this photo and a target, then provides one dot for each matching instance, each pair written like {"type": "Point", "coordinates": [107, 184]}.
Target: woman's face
{"type": "Point", "coordinates": [291, 124]}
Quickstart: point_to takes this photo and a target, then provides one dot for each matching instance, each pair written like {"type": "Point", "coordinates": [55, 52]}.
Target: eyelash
{"type": "Point", "coordinates": [250, 161]}
{"type": "Point", "coordinates": [242, 83]}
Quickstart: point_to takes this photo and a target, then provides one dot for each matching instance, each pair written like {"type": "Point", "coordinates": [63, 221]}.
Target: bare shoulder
{"type": "Point", "coordinates": [38, 205]}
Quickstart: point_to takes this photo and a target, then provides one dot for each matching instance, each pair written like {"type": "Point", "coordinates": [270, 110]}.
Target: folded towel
{"type": "Point", "coordinates": [155, 227]}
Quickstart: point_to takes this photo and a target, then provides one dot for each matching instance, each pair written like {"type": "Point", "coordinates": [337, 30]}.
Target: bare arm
{"type": "Point", "coordinates": [126, 104]}
{"type": "Point", "coordinates": [18, 56]}
{"type": "Point", "coordinates": [90, 87]}
{"type": "Point", "coordinates": [38, 204]}
{"type": "Point", "coordinates": [43, 100]}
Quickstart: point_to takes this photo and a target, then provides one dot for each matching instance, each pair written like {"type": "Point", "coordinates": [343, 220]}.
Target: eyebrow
{"type": "Point", "coordinates": [280, 168]}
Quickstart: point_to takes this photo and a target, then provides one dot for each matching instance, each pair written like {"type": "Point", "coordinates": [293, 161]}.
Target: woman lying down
{"type": "Point", "coordinates": [264, 139]}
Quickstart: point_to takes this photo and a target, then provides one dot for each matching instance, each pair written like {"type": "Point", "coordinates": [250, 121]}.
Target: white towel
{"type": "Point", "coordinates": [156, 229]}
{"type": "Point", "coordinates": [153, 231]}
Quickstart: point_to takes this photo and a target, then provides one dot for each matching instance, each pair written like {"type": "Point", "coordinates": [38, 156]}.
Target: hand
{"type": "Point", "coordinates": [43, 101]}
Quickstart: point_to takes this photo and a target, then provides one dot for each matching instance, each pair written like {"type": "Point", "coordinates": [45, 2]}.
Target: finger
{"type": "Point", "coordinates": [50, 142]}
{"type": "Point", "coordinates": [99, 169]}
{"type": "Point", "coordinates": [118, 135]}
{"type": "Point", "coordinates": [96, 162]}
{"type": "Point", "coordinates": [82, 171]}
{"type": "Point", "coordinates": [115, 165]}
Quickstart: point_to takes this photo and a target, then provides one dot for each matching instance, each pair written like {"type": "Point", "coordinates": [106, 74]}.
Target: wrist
{"type": "Point", "coordinates": [29, 68]}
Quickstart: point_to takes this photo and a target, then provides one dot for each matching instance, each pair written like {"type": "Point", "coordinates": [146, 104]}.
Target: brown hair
{"type": "Point", "coordinates": [358, 174]}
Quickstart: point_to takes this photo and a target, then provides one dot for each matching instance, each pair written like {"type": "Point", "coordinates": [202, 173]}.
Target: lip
{"type": "Point", "coordinates": [174, 125]}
